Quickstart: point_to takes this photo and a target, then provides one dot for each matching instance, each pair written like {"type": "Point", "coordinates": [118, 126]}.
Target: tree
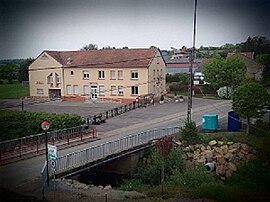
{"type": "Point", "coordinates": [9, 71]}
{"type": "Point", "coordinates": [23, 71]}
{"type": "Point", "coordinates": [264, 59]}
{"type": "Point", "coordinates": [250, 100]}
{"type": "Point", "coordinates": [229, 72]}
{"type": "Point", "coordinates": [108, 48]}
{"type": "Point", "coordinates": [89, 47]}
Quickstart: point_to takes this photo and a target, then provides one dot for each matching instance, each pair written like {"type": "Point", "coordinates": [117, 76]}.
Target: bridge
{"type": "Point", "coordinates": [82, 160]}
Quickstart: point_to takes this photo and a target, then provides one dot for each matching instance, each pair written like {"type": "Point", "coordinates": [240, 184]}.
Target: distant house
{"type": "Point", "coordinates": [119, 74]}
{"type": "Point", "coordinates": [253, 68]}
{"type": "Point", "coordinates": [181, 65]}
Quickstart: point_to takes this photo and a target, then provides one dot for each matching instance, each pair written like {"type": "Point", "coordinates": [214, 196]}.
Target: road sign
{"type": "Point", "coordinates": [53, 164]}
{"type": "Point", "coordinates": [52, 152]}
{"type": "Point", "coordinates": [45, 125]}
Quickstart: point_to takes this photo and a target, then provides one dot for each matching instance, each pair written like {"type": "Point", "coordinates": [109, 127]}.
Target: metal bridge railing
{"type": "Point", "coordinates": [34, 144]}
{"type": "Point", "coordinates": [98, 152]}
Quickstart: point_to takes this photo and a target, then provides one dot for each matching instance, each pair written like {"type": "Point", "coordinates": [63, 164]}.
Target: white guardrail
{"type": "Point", "coordinates": [98, 152]}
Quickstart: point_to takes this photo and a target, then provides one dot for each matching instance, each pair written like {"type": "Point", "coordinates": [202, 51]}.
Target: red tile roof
{"type": "Point", "coordinates": [105, 58]}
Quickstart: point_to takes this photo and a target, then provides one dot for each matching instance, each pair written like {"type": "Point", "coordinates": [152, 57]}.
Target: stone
{"type": "Point", "coordinates": [100, 186]}
{"type": "Point", "coordinates": [236, 145]}
{"type": "Point", "coordinates": [232, 151]}
{"type": "Point", "coordinates": [208, 148]}
{"type": "Point", "coordinates": [189, 155]}
{"type": "Point", "coordinates": [221, 160]}
{"type": "Point", "coordinates": [227, 156]}
{"type": "Point", "coordinates": [228, 173]}
{"type": "Point", "coordinates": [220, 170]}
{"type": "Point", "coordinates": [212, 143]}
{"type": "Point", "coordinates": [208, 154]}
{"type": "Point", "coordinates": [218, 150]}
{"type": "Point", "coordinates": [241, 155]}
{"type": "Point", "coordinates": [220, 143]}
{"type": "Point", "coordinates": [203, 148]}
{"type": "Point", "coordinates": [245, 147]}
{"type": "Point", "coordinates": [196, 156]}
{"type": "Point", "coordinates": [225, 149]}
{"type": "Point", "coordinates": [229, 143]}
{"type": "Point", "coordinates": [108, 187]}
{"type": "Point", "coordinates": [231, 166]}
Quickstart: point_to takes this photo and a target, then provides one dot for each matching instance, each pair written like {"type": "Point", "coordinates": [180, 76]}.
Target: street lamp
{"type": "Point", "coordinates": [45, 126]}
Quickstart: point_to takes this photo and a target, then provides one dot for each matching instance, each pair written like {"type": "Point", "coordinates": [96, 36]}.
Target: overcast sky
{"type": "Point", "coordinates": [27, 27]}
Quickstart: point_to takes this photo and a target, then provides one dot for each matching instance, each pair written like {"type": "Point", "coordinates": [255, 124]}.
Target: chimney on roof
{"type": "Point", "coordinates": [69, 60]}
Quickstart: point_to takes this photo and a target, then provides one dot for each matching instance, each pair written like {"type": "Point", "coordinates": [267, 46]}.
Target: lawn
{"type": "Point", "coordinates": [13, 91]}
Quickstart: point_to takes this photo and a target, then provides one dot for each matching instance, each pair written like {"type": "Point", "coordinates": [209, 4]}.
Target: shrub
{"type": "Point", "coordinates": [131, 184]}
{"type": "Point", "coordinates": [192, 178]}
{"type": "Point", "coordinates": [15, 124]}
{"type": "Point", "coordinates": [150, 167]}
{"type": "Point", "coordinates": [260, 128]}
{"type": "Point", "coordinates": [189, 133]}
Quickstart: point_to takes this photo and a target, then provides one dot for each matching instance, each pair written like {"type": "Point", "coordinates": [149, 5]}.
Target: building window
{"type": "Point", "coordinates": [101, 74]}
{"type": "Point", "coordinates": [158, 73]}
{"type": "Point", "coordinates": [69, 90]}
{"type": "Point", "coordinates": [134, 90]}
{"type": "Point", "coordinates": [161, 72]}
{"type": "Point", "coordinates": [101, 90]}
{"type": "Point", "coordinates": [120, 74]}
{"type": "Point", "coordinates": [50, 79]}
{"type": "Point", "coordinates": [112, 75]}
{"type": "Point", "coordinates": [75, 89]}
{"type": "Point", "coordinates": [86, 90]}
{"type": "Point", "coordinates": [134, 74]}
{"type": "Point", "coordinates": [40, 91]}
{"type": "Point", "coordinates": [120, 90]}
{"type": "Point", "coordinates": [57, 78]}
{"type": "Point", "coordinates": [154, 74]}
{"type": "Point", "coordinates": [85, 74]}
{"type": "Point", "coordinates": [71, 73]}
{"type": "Point", "coordinates": [113, 90]}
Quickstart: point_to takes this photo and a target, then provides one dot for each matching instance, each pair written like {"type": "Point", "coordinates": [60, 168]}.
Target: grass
{"type": "Point", "coordinates": [13, 91]}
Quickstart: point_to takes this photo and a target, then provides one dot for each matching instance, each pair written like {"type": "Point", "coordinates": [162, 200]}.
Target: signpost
{"type": "Point", "coordinates": [45, 126]}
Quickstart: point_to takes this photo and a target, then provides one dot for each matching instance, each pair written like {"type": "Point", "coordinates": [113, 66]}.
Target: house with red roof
{"type": "Point", "coordinates": [118, 74]}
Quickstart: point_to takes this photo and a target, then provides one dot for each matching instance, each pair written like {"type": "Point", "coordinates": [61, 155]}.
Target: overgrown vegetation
{"type": "Point", "coordinates": [189, 134]}
{"type": "Point", "coordinates": [249, 183]}
{"type": "Point", "coordinates": [15, 124]}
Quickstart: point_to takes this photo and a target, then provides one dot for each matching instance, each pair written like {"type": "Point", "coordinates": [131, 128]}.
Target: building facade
{"type": "Point", "coordinates": [119, 74]}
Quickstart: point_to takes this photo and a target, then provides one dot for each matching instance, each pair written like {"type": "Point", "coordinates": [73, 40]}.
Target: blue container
{"type": "Point", "coordinates": [210, 122]}
{"type": "Point", "coordinates": [233, 122]}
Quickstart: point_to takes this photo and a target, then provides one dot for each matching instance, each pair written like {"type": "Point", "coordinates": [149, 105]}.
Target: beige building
{"type": "Point", "coordinates": [118, 74]}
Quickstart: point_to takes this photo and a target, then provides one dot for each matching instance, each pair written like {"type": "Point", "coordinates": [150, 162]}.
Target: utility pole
{"type": "Point", "coordinates": [191, 60]}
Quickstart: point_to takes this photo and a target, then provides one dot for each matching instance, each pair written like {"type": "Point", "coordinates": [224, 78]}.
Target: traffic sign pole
{"type": "Point", "coordinates": [45, 126]}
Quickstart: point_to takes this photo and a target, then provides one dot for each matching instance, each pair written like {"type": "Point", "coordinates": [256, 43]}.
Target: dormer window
{"type": "Point", "coordinates": [69, 60]}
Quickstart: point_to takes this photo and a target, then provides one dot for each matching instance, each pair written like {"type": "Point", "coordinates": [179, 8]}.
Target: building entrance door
{"type": "Point", "coordinates": [94, 92]}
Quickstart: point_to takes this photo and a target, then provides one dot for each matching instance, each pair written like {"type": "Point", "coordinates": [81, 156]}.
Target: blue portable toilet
{"type": "Point", "coordinates": [210, 122]}
{"type": "Point", "coordinates": [233, 121]}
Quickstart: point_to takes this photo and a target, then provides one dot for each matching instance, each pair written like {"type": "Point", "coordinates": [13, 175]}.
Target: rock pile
{"type": "Point", "coordinates": [226, 155]}
{"type": "Point", "coordinates": [79, 185]}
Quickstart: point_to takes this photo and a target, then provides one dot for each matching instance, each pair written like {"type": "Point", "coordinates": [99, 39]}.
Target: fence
{"type": "Point", "coordinates": [98, 152]}
{"type": "Point", "coordinates": [34, 144]}
{"type": "Point", "coordinates": [101, 117]}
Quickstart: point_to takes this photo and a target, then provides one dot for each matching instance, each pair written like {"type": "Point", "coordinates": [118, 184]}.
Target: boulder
{"type": "Point", "coordinates": [108, 187]}
{"type": "Point", "coordinates": [220, 170]}
{"type": "Point", "coordinates": [220, 143]}
{"type": "Point", "coordinates": [245, 147]}
{"type": "Point", "coordinates": [212, 143]}
{"type": "Point", "coordinates": [220, 160]}
{"type": "Point", "coordinates": [231, 166]}
{"type": "Point", "coordinates": [225, 149]}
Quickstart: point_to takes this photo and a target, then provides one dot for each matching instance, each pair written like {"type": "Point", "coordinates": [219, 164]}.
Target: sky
{"type": "Point", "coordinates": [27, 27]}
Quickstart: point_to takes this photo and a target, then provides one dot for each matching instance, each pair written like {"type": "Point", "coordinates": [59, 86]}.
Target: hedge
{"type": "Point", "coordinates": [15, 124]}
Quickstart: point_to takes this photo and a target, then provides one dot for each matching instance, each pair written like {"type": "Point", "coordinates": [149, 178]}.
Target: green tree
{"type": "Point", "coordinates": [23, 70]}
{"type": "Point", "coordinates": [250, 100]}
{"type": "Point", "coordinates": [89, 47]}
{"type": "Point", "coordinates": [229, 72]}
{"type": "Point", "coordinates": [264, 59]}
{"type": "Point", "coordinates": [9, 72]}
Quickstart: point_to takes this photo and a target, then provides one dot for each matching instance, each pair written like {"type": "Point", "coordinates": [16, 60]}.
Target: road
{"type": "Point", "coordinates": [19, 175]}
